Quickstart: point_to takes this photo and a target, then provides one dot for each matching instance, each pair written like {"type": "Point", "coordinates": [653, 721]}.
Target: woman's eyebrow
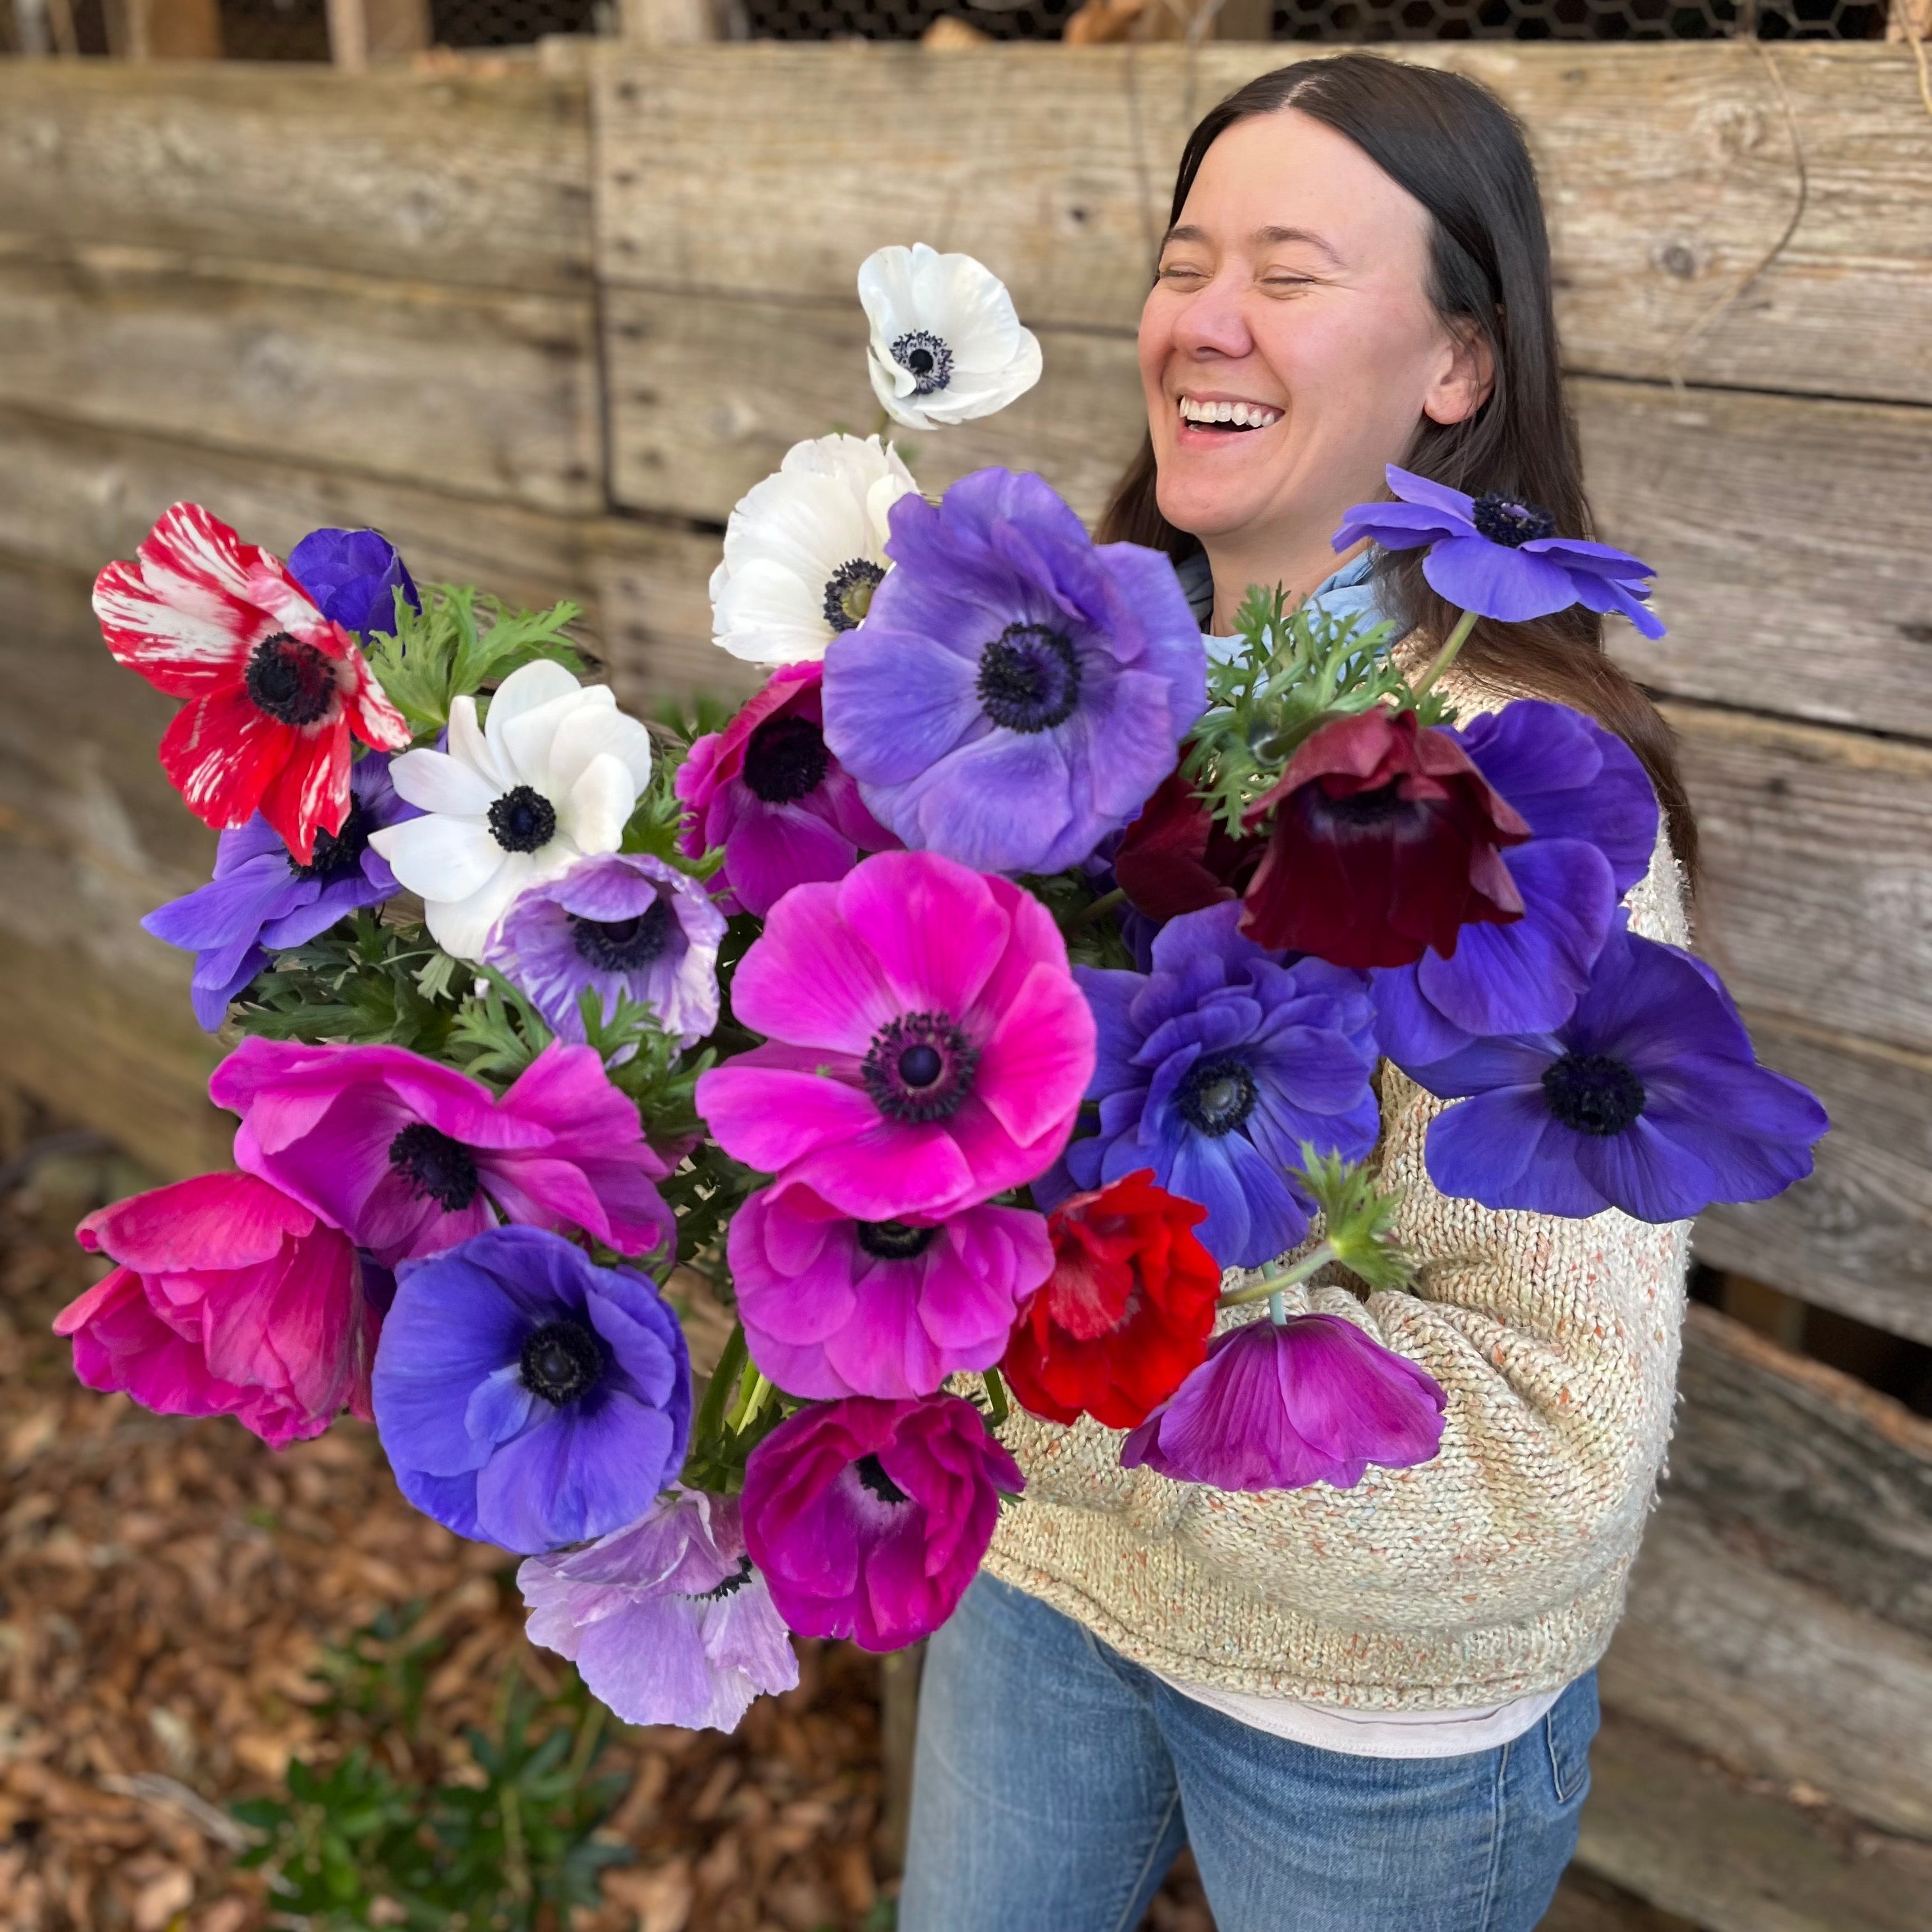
{"type": "Point", "coordinates": [1269, 238]}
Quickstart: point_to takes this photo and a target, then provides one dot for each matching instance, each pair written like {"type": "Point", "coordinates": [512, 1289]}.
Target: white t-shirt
{"type": "Point", "coordinates": [1410, 1734]}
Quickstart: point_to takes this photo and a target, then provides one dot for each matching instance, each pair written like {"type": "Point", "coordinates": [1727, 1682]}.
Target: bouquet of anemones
{"type": "Point", "coordinates": [981, 1014]}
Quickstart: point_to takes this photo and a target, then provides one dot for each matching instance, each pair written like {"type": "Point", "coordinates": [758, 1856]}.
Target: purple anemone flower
{"type": "Point", "coordinates": [1592, 817]}
{"type": "Point", "coordinates": [525, 1397]}
{"type": "Point", "coordinates": [1648, 1098]}
{"type": "Point", "coordinates": [666, 1620]}
{"type": "Point", "coordinates": [1214, 1069]}
{"type": "Point", "coordinates": [1015, 691]}
{"type": "Point", "coordinates": [625, 924]}
{"type": "Point", "coordinates": [262, 898]}
{"type": "Point", "coordinates": [833, 1306]}
{"type": "Point", "coordinates": [406, 1156]}
{"type": "Point", "coordinates": [353, 576]}
{"type": "Point", "coordinates": [868, 1518]}
{"type": "Point", "coordinates": [1499, 557]}
{"type": "Point", "coordinates": [1278, 1406]}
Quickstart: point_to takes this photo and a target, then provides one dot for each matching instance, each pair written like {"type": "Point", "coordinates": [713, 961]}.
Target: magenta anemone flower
{"type": "Point", "coordinates": [869, 1518]}
{"type": "Point", "coordinates": [408, 1156]}
{"type": "Point", "coordinates": [926, 1045]}
{"type": "Point", "coordinates": [836, 1307]}
{"type": "Point", "coordinates": [767, 790]}
{"type": "Point", "coordinates": [666, 1620]}
{"type": "Point", "coordinates": [1278, 1406]}
{"type": "Point", "coordinates": [1498, 556]}
{"type": "Point", "coordinates": [229, 1299]}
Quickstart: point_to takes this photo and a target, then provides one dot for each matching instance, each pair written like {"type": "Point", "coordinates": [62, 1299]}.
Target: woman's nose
{"type": "Point", "coordinates": [1213, 324]}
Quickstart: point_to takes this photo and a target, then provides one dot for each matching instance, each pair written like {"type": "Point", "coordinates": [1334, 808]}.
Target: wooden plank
{"type": "Point", "coordinates": [481, 181]}
{"type": "Point", "coordinates": [1816, 902]}
{"type": "Point", "coordinates": [1669, 171]}
{"type": "Point", "coordinates": [1786, 532]}
{"type": "Point", "coordinates": [491, 395]}
{"type": "Point", "coordinates": [1660, 1822]}
{"type": "Point", "coordinates": [1857, 1236]}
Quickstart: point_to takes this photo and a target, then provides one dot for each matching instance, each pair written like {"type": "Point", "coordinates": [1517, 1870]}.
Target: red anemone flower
{"type": "Point", "coordinates": [274, 688]}
{"type": "Point", "coordinates": [1386, 841]}
{"type": "Point", "coordinates": [1125, 1317]}
{"type": "Point", "coordinates": [1176, 858]}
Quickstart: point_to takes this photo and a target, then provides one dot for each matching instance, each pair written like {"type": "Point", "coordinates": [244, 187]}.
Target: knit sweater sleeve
{"type": "Point", "coordinates": [1555, 1342]}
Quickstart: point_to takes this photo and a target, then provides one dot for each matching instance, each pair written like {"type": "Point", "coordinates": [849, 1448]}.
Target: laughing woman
{"type": "Point", "coordinates": [1367, 1710]}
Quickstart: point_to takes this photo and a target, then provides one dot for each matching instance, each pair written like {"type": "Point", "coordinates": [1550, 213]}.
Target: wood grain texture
{"type": "Point", "coordinates": [1669, 171]}
{"type": "Point", "coordinates": [1663, 1823]}
{"type": "Point", "coordinates": [483, 181]}
{"type": "Point", "coordinates": [1857, 1235]}
{"type": "Point", "coordinates": [1816, 901]}
{"type": "Point", "coordinates": [488, 394]}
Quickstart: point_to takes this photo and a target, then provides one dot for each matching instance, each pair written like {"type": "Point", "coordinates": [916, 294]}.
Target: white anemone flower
{"type": "Point", "coordinates": [947, 346]}
{"type": "Point", "coordinates": [805, 549]}
{"type": "Point", "coordinates": [551, 778]}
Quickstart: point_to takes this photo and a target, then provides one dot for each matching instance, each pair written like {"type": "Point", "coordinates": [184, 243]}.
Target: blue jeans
{"type": "Point", "coordinates": [1055, 1782]}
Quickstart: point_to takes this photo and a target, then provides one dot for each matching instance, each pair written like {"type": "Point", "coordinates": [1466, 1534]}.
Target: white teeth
{"type": "Point", "coordinates": [1243, 415]}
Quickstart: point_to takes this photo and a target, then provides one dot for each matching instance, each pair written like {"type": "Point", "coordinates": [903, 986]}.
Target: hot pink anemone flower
{"type": "Point", "coordinates": [834, 1306]}
{"type": "Point", "coordinates": [766, 790]}
{"type": "Point", "coordinates": [409, 1157]}
{"type": "Point", "coordinates": [229, 1299]}
{"type": "Point", "coordinates": [926, 1046]}
{"type": "Point", "coordinates": [274, 688]}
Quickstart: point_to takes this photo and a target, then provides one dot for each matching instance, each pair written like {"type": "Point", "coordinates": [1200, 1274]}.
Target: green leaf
{"type": "Point", "coordinates": [1360, 1217]}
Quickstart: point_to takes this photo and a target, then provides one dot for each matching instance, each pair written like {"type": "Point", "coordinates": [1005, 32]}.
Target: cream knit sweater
{"type": "Point", "coordinates": [1494, 1571]}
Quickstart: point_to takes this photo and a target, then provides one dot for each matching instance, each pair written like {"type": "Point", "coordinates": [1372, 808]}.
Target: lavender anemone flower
{"type": "Point", "coordinates": [1213, 1071]}
{"type": "Point", "coordinates": [1592, 817]}
{"type": "Point", "coordinates": [1015, 691]}
{"type": "Point", "coordinates": [832, 1306]}
{"type": "Point", "coordinates": [527, 1397]}
{"type": "Point", "coordinates": [1498, 556]}
{"type": "Point", "coordinates": [1648, 1098]}
{"type": "Point", "coordinates": [869, 1518]}
{"type": "Point", "coordinates": [1279, 1405]}
{"type": "Point", "coordinates": [262, 898]}
{"type": "Point", "coordinates": [353, 576]}
{"type": "Point", "coordinates": [666, 1620]}
{"type": "Point", "coordinates": [625, 924]}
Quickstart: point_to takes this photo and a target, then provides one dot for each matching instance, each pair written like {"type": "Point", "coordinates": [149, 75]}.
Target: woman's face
{"type": "Point", "coordinates": [1294, 287]}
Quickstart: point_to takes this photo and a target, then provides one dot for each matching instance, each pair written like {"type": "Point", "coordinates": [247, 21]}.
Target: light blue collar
{"type": "Point", "coordinates": [1348, 592]}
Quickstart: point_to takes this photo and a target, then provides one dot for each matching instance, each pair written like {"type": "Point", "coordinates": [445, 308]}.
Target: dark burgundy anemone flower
{"type": "Point", "coordinates": [1386, 840]}
{"type": "Point", "coordinates": [1176, 857]}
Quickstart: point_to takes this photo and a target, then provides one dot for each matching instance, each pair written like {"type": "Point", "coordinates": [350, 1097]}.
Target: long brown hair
{"type": "Point", "coordinates": [1453, 146]}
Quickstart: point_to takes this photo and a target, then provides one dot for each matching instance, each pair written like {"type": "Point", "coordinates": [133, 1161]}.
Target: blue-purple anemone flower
{"type": "Point", "coordinates": [1214, 1069]}
{"type": "Point", "coordinates": [624, 923]}
{"type": "Point", "coordinates": [1015, 691]}
{"type": "Point", "coordinates": [353, 576]}
{"type": "Point", "coordinates": [1648, 1098]}
{"type": "Point", "coordinates": [1592, 817]}
{"type": "Point", "coordinates": [1499, 557]}
{"type": "Point", "coordinates": [262, 899]}
{"type": "Point", "coordinates": [525, 1397]}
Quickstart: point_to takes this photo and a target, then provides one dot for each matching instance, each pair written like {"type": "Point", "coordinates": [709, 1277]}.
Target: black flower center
{"type": "Point", "coordinates": [337, 853]}
{"type": "Point", "coordinates": [1592, 1093]}
{"type": "Point", "coordinates": [1216, 1096]}
{"type": "Point", "coordinates": [1503, 520]}
{"type": "Point", "coordinates": [1029, 678]}
{"type": "Point", "coordinates": [438, 1169]}
{"type": "Point", "coordinates": [785, 759]}
{"type": "Point", "coordinates": [848, 593]}
{"type": "Point", "coordinates": [727, 1586]}
{"type": "Point", "coordinates": [926, 358]}
{"type": "Point", "coordinates": [292, 682]}
{"type": "Point", "coordinates": [623, 945]}
{"type": "Point", "coordinates": [871, 1472]}
{"type": "Point", "coordinates": [523, 820]}
{"type": "Point", "coordinates": [919, 1068]}
{"type": "Point", "coordinates": [561, 1360]}
{"type": "Point", "coordinates": [893, 1241]}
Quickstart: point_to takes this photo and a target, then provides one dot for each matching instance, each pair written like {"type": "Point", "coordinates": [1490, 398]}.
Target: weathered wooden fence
{"type": "Point", "coordinates": [545, 329]}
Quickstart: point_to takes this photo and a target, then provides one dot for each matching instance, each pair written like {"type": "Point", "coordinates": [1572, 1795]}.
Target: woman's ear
{"type": "Point", "coordinates": [1468, 374]}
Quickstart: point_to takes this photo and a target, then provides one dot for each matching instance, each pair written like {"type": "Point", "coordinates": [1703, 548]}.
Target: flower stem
{"type": "Point", "coordinates": [718, 1390]}
{"type": "Point", "coordinates": [757, 1390]}
{"type": "Point", "coordinates": [1274, 1280]}
{"type": "Point", "coordinates": [996, 1396]}
{"type": "Point", "coordinates": [1097, 909]}
{"type": "Point", "coordinates": [1446, 656]}
{"type": "Point", "coordinates": [1277, 1309]}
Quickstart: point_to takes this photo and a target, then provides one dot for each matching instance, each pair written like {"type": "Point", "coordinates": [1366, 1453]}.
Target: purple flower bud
{"type": "Point", "coordinates": [353, 576]}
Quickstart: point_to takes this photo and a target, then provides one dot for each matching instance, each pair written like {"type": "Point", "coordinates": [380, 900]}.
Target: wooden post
{"type": "Point", "coordinates": [1910, 20]}
{"type": "Point", "coordinates": [670, 23]}
{"type": "Point", "coordinates": [362, 31]}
